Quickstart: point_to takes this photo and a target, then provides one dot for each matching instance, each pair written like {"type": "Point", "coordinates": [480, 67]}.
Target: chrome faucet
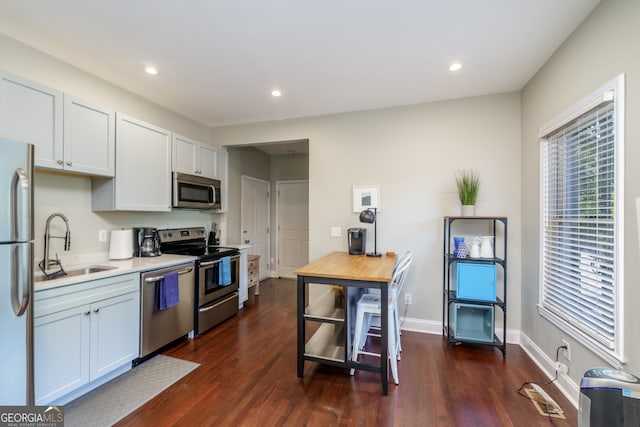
{"type": "Point", "coordinates": [46, 262]}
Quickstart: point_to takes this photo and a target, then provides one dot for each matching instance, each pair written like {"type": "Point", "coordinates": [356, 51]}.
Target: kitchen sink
{"type": "Point", "coordinates": [78, 272]}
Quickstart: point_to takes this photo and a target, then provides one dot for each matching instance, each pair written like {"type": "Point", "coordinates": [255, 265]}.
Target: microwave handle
{"type": "Point", "coordinates": [213, 195]}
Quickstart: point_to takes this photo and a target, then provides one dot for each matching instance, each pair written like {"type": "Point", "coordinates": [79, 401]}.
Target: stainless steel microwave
{"type": "Point", "coordinates": [195, 192]}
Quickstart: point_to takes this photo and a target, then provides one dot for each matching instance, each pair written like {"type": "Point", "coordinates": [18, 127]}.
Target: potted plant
{"type": "Point", "coordinates": [468, 183]}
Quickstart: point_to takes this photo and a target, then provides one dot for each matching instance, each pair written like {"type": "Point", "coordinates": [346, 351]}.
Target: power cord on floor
{"type": "Point", "coordinates": [523, 394]}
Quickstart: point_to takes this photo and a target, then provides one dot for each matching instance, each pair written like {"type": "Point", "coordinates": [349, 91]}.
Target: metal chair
{"type": "Point", "coordinates": [374, 320]}
{"type": "Point", "coordinates": [371, 305]}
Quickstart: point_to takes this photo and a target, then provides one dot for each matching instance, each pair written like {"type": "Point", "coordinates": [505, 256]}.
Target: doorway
{"type": "Point", "coordinates": [292, 232]}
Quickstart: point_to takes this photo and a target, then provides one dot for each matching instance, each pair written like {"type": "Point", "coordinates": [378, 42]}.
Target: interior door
{"type": "Point", "coordinates": [292, 211]}
{"type": "Point", "coordinates": [254, 222]}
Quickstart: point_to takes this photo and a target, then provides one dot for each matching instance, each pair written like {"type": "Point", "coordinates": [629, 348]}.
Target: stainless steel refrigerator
{"type": "Point", "coordinates": [16, 273]}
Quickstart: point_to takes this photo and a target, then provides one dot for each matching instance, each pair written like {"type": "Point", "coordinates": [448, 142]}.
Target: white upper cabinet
{"type": "Point", "coordinates": [143, 164]}
{"type": "Point", "coordinates": [68, 134]}
{"type": "Point", "coordinates": [32, 113]}
{"type": "Point", "coordinates": [89, 138]}
{"type": "Point", "coordinates": [195, 158]}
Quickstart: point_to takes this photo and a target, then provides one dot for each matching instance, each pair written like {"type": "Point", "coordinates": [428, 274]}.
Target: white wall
{"type": "Point", "coordinates": [71, 195]}
{"type": "Point", "coordinates": [412, 153]}
{"type": "Point", "coordinates": [604, 46]}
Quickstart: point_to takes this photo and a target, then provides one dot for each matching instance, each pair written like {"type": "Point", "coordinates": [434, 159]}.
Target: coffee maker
{"type": "Point", "coordinates": [357, 240]}
{"type": "Point", "coordinates": [146, 242]}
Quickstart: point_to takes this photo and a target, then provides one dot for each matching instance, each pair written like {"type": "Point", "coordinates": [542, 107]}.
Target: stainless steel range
{"type": "Point", "coordinates": [217, 274]}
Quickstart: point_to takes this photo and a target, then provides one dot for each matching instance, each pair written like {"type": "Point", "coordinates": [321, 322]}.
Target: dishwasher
{"type": "Point", "coordinates": [161, 327]}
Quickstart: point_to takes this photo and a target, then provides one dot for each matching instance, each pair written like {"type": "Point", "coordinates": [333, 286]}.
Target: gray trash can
{"type": "Point", "coordinates": [609, 398]}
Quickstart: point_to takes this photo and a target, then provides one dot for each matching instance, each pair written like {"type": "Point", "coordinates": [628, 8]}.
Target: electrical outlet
{"type": "Point", "coordinates": [407, 299]}
{"type": "Point", "coordinates": [566, 351]}
{"type": "Point", "coordinates": [336, 232]}
{"type": "Point", "coordinates": [562, 368]}
{"type": "Point", "coordinates": [102, 235]}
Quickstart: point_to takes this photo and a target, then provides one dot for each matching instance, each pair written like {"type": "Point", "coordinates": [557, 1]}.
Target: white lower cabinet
{"type": "Point", "coordinates": [82, 334]}
{"type": "Point", "coordinates": [244, 278]}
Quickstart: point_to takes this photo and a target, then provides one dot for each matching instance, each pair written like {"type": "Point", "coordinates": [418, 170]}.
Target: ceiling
{"type": "Point", "coordinates": [219, 60]}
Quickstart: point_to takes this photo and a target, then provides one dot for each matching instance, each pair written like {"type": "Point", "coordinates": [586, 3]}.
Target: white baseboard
{"type": "Point", "coordinates": [564, 383]}
{"type": "Point", "coordinates": [435, 327]}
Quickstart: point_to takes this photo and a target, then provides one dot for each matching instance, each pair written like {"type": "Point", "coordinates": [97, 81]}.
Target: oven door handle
{"type": "Point", "coordinates": [209, 263]}
{"type": "Point", "coordinates": [217, 304]}
{"type": "Point", "coordinates": [157, 278]}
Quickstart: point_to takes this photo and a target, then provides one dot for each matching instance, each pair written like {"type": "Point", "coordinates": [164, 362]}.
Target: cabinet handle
{"type": "Point", "coordinates": [96, 310]}
{"type": "Point", "coordinates": [69, 163]}
{"type": "Point", "coordinates": [86, 313]}
{"type": "Point", "coordinates": [60, 162]}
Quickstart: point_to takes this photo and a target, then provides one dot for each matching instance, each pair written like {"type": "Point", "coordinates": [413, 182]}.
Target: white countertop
{"type": "Point", "coordinates": [125, 266]}
{"type": "Point", "coordinates": [236, 245]}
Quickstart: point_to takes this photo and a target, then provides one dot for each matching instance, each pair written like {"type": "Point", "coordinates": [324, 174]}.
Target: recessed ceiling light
{"type": "Point", "coordinates": [276, 92]}
{"type": "Point", "coordinates": [455, 66]}
{"type": "Point", "coordinates": [151, 70]}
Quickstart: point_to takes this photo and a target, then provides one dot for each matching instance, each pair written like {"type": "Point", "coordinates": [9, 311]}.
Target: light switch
{"type": "Point", "coordinates": [102, 235]}
{"type": "Point", "coordinates": [336, 232]}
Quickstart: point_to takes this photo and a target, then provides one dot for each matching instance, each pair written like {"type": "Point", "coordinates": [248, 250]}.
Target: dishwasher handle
{"type": "Point", "coordinates": [157, 278]}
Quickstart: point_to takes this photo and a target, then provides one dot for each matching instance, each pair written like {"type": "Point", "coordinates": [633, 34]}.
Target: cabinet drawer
{"type": "Point", "coordinates": [253, 262]}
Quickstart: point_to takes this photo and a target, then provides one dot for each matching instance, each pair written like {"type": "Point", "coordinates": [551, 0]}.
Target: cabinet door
{"type": "Point", "coordinates": [143, 158]}
{"type": "Point", "coordinates": [32, 113]}
{"type": "Point", "coordinates": [184, 153]}
{"type": "Point", "coordinates": [61, 353]}
{"type": "Point", "coordinates": [115, 324]}
{"type": "Point", "coordinates": [89, 138]}
{"type": "Point", "coordinates": [223, 176]}
{"type": "Point", "coordinates": [208, 160]}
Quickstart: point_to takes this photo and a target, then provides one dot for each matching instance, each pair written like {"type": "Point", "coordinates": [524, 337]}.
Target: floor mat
{"type": "Point", "coordinates": [116, 399]}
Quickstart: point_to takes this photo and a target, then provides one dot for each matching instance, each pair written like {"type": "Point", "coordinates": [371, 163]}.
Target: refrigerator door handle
{"type": "Point", "coordinates": [20, 181]}
{"type": "Point", "coordinates": [20, 300]}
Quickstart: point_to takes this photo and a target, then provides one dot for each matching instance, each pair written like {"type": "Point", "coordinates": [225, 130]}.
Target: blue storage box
{"type": "Point", "coordinates": [475, 281]}
{"type": "Point", "coordinates": [471, 322]}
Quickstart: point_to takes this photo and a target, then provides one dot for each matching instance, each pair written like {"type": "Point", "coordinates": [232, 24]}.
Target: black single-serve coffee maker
{"type": "Point", "coordinates": [357, 240]}
{"type": "Point", "coordinates": [146, 242]}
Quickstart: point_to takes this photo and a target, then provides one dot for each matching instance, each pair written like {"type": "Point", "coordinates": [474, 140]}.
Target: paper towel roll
{"type": "Point", "coordinates": [121, 245]}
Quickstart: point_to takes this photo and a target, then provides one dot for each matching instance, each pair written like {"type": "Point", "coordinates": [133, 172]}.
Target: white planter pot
{"type": "Point", "coordinates": [468, 210]}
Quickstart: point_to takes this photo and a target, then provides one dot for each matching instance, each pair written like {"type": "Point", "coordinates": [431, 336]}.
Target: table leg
{"type": "Point", "coordinates": [384, 333]}
{"type": "Point", "coordinates": [300, 294]}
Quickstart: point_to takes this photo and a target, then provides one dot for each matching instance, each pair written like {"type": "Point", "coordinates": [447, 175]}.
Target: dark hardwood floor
{"type": "Point", "coordinates": [248, 377]}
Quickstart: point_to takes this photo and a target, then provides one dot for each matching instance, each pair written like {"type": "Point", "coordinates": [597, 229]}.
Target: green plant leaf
{"type": "Point", "coordinates": [468, 183]}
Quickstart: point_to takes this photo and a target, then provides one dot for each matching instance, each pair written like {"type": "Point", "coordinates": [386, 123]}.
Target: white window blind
{"type": "Point", "coordinates": [580, 201]}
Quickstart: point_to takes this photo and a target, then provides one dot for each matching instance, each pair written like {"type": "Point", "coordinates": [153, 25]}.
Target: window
{"type": "Point", "coordinates": [582, 206]}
